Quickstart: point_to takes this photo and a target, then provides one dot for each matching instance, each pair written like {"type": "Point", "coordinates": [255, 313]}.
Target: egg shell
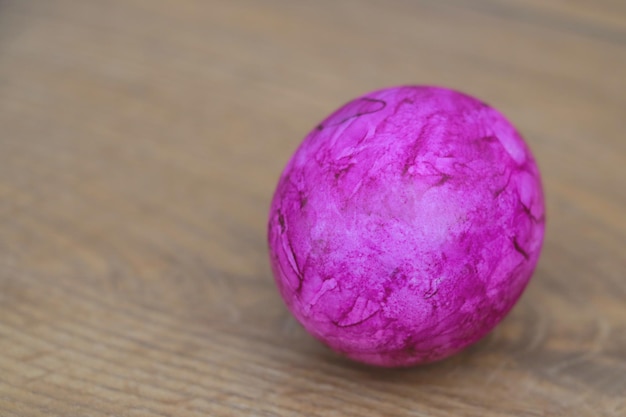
{"type": "Point", "coordinates": [406, 225]}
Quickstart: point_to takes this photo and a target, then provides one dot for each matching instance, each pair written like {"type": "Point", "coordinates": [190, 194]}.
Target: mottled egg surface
{"type": "Point", "coordinates": [406, 225]}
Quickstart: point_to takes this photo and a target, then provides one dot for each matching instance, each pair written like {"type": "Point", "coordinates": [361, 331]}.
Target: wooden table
{"type": "Point", "coordinates": [141, 141]}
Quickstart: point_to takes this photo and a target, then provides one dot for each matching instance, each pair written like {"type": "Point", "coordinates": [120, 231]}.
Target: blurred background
{"type": "Point", "coordinates": [140, 143]}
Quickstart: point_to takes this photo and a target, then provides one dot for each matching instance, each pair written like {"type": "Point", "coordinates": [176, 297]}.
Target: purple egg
{"type": "Point", "coordinates": [406, 225]}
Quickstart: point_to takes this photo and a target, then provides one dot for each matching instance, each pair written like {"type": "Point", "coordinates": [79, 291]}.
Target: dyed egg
{"type": "Point", "coordinates": [406, 225]}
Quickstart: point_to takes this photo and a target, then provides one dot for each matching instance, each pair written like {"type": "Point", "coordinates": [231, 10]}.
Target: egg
{"type": "Point", "coordinates": [406, 225]}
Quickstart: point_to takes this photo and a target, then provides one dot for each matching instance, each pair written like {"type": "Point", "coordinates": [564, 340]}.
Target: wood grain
{"type": "Point", "coordinates": [140, 143]}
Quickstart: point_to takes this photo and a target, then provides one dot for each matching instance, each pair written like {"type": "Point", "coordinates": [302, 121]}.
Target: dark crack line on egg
{"type": "Point", "coordinates": [519, 249]}
{"type": "Point", "coordinates": [382, 104]}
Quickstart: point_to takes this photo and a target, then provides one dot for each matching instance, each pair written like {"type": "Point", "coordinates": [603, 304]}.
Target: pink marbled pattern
{"type": "Point", "coordinates": [406, 225]}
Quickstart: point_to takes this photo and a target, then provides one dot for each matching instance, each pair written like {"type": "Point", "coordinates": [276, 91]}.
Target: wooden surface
{"type": "Point", "coordinates": [140, 143]}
